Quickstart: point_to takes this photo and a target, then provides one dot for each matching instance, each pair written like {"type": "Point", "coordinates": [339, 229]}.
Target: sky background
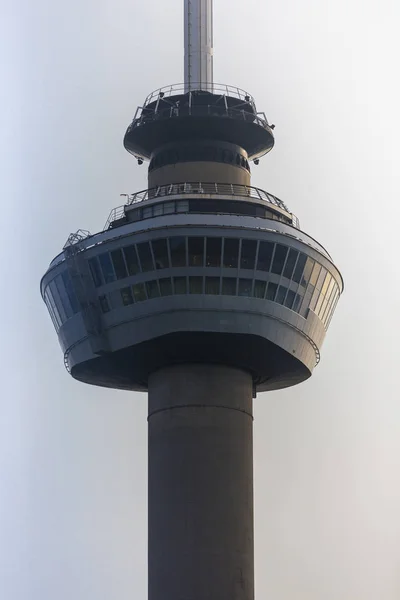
{"type": "Point", "coordinates": [327, 453]}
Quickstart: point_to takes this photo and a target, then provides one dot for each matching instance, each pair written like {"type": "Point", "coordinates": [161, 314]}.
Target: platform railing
{"type": "Point", "coordinates": [177, 89]}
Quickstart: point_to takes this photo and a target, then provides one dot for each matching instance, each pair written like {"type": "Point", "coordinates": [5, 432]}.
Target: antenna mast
{"type": "Point", "coordinates": [198, 45]}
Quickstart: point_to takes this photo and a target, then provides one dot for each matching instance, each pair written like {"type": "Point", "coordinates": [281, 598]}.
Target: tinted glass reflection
{"type": "Point", "coordinates": [231, 253]}
{"type": "Point", "coordinates": [279, 259]}
{"type": "Point", "coordinates": [265, 252]}
{"type": "Point", "coordinates": [160, 251]}
{"type": "Point", "coordinates": [196, 251]}
{"type": "Point", "coordinates": [119, 264]}
{"type": "Point", "coordinates": [213, 252]}
{"type": "Point", "coordinates": [131, 259]}
{"type": "Point", "coordinates": [177, 246]}
{"type": "Point", "coordinates": [248, 254]}
{"type": "Point", "coordinates": [145, 256]}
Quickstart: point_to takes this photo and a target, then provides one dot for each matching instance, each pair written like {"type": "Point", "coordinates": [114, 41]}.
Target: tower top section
{"type": "Point", "coordinates": [198, 45]}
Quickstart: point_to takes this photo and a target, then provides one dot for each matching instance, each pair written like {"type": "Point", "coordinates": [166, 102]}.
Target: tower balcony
{"type": "Point", "coordinates": [224, 113]}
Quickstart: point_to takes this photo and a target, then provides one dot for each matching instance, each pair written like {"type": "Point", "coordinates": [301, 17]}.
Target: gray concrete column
{"type": "Point", "coordinates": [200, 544]}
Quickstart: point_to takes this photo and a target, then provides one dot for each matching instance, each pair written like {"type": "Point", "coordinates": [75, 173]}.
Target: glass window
{"type": "Point", "coordinates": [308, 269]}
{"type": "Point", "coordinates": [169, 208]}
{"type": "Point", "coordinates": [157, 210]}
{"type": "Point", "coordinates": [126, 295]}
{"type": "Point", "coordinates": [166, 286]}
{"type": "Point", "coordinates": [95, 271]}
{"type": "Point", "coordinates": [259, 288]}
{"type": "Point", "coordinates": [212, 285]}
{"type": "Point", "coordinates": [50, 309]}
{"type": "Point", "coordinates": [106, 267]}
{"type": "Point", "coordinates": [180, 285]}
{"type": "Point", "coordinates": [290, 263]}
{"type": "Point", "coordinates": [177, 247]}
{"type": "Point", "coordinates": [327, 281]}
{"type": "Point", "coordinates": [196, 251]}
{"type": "Point", "coordinates": [271, 291]}
{"type": "Point", "coordinates": [57, 300]}
{"type": "Point", "coordinates": [315, 274]}
{"type": "Point", "coordinates": [145, 256]}
{"type": "Point", "coordinates": [104, 304]}
{"type": "Point", "coordinates": [152, 289]}
{"type": "Point", "coordinates": [265, 252]}
{"type": "Point", "coordinates": [131, 260]}
{"type": "Point", "coordinates": [147, 212]}
{"type": "Point", "coordinates": [248, 254]}
{"type": "Point", "coordinates": [290, 299]}
{"type": "Point", "coordinates": [231, 253]}
{"type": "Point", "coordinates": [139, 292]}
{"type": "Point", "coordinates": [195, 285]}
{"type": "Point", "coordinates": [245, 287]}
{"type": "Point", "coordinates": [319, 303]}
{"type": "Point", "coordinates": [280, 297]}
{"type": "Point", "coordinates": [296, 303]}
{"type": "Point", "coordinates": [213, 252]}
{"type": "Point", "coordinates": [279, 259]}
{"type": "Point", "coordinates": [71, 292]}
{"type": "Point", "coordinates": [321, 278]}
{"type": "Point", "coordinates": [119, 264]}
{"type": "Point", "coordinates": [229, 286]}
{"type": "Point", "coordinates": [160, 251]}
{"type": "Point", "coordinates": [298, 272]}
{"type": "Point", "coordinates": [62, 293]}
{"type": "Point", "coordinates": [182, 206]}
{"type": "Point", "coordinates": [54, 310]}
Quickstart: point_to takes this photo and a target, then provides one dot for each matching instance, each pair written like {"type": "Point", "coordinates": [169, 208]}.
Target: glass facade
{"type": "Point", "coordinates": [260, 269]}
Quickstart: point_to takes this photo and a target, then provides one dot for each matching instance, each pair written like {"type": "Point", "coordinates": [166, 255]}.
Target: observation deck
{"type": "Point", "coordinates": [172, 114]}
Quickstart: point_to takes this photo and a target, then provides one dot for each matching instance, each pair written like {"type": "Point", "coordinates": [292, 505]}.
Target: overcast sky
{"type": "Point", "coordinates": [327, 453]}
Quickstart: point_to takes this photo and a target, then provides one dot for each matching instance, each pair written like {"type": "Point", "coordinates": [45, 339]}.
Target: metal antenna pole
{"type": "Point", "coordinates": [198, 45]}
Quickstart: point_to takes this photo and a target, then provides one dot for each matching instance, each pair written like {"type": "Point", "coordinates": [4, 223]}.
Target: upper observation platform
{"type": "Point", "coordinates": [173, 114]}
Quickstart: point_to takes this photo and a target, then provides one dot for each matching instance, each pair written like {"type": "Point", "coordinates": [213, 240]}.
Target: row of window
{"type": "Point", "coordinates": [181, 251]}
{"type": "Point", "coordinates": [227, 207]}
{"type": "Point", "coordinates": [226, 286]}
{"type": "Point", "coordinates": [196, 154]}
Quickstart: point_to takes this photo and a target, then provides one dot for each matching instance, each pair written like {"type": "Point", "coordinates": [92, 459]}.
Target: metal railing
{"type": "Point", "coordinates": [178, 189]}
{"type": "Point", "coordinates": [222, 89]}
{"type": "Point", "coordinates": [154, 107]}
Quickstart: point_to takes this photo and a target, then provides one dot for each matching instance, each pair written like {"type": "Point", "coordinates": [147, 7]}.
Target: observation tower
{"type": "Point", "coordinates": [202, 291]}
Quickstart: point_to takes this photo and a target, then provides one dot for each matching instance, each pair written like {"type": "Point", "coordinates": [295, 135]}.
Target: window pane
{"type": "Point", "coordinates": [95, 271]}
{"type": "Point", "coordinates": [152, 289]}
{"type": "Point", "coordinates": [145, 257]}
{"type": "Point", "coordinates": [290, 263]}
{"type": "Point", "coordinates": [54, 308]}
{"type": "Point", "coordinates": [280, 297]}
{"type": "Point", "coordinates": [169, 208]}
{"type": "Point", "coordinates": [279, 259]}
{"type": "Point", "coordinates": [264, 256]}
{"type": "Point", "coordinates": [259, 288]}
{"type": "Point", "coordinates": [139, 293]}
{"type": "Point", "coordinates": [147, 212]}
{"type": "Point", "coordinates": [182, 206]}
{"type": "Point", "coordinates": [131, 260]}
{"type": "Point", "coordinates": [166, 286]}
{"type": "Point", "coordinates": [319, 303]}
{"type": "Point", "coordinates": [290, 299]}
{"type": "Point", "coordinates": [212, 285]}
{"type": "Point", "coordinates": [231, 253]}
{"type": "Point", "coordinates": [271, 291]}
{"type": "Point", "coordinates": [177, 247]}
{"type": "Point", "coordinates": [195, 285]}
{"type": "Point", "coordinates": [157, 210]}
{"type": "Point", "coordinates": [106, 267]}
{"type": "Point", "coordinates": [327, 281]}
{"type": "Point", "coordinates": [321, 278]}
{"type": "Point", "coordinates": [180, 285]}
{"type": "Point", "coordinates": [229, 286]}
{"type": "Point", "coordinates": [315, 274]}
{"type": "Point", "coordinates": [119, 264]}
{"type": "Point", "coordinates": [213, 252]}
{"type": "Point", "coordinates": [298, 272]}
{"type": "Point", "coordinates": [248, 254]}
{"type": "Point", "coordinates": [71, 292]}
{"type": "Point", "coordinates": [160, 251]}
{"type": "Point", "coordinates": [104, 305]}
{"type": "Point", "coordinates": [126, 295]}
{"type": "Point", "coordinates": [296, 303]}
{"type": "Point", "coordinates": [196, 251]}
{"type": "Point", "coordinates": [62, 292]}
{"type": "Point", "coordinates": [308, 269]}
{"type": "Point", "coordinates": [57, 300]}
{"type": "Point", "coordinates": [245, 287]}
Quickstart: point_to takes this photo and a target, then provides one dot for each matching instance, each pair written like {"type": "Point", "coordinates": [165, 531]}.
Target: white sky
{"type": "Point", "coordinates": [327, 454]}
